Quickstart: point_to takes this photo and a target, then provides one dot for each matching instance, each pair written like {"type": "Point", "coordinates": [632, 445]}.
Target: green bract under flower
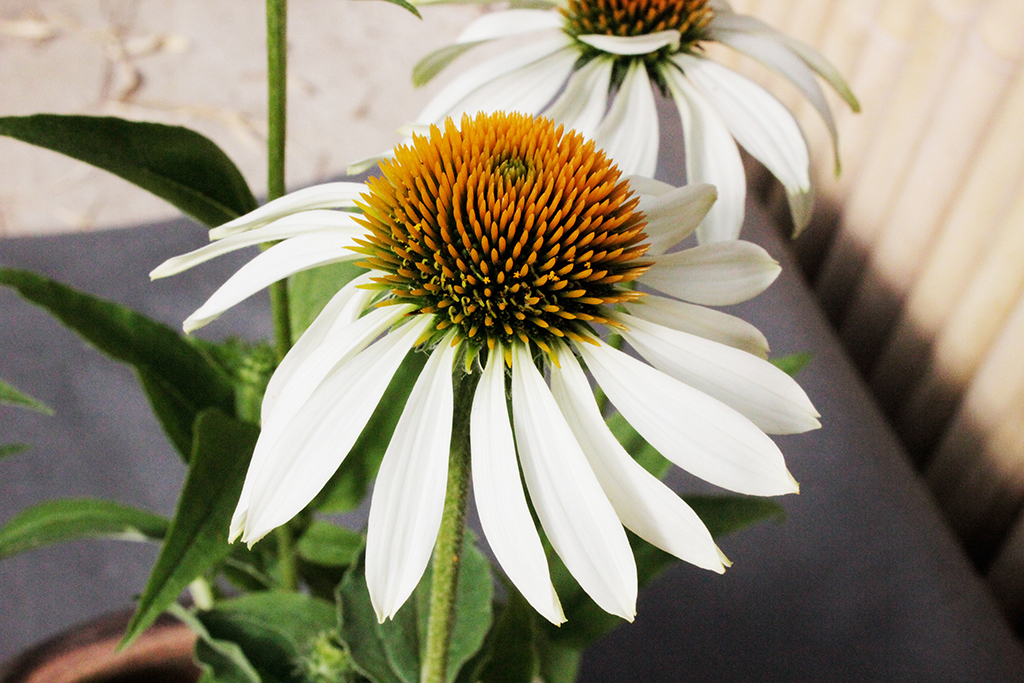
{"type": "Point", "coordinates": [507, 229]}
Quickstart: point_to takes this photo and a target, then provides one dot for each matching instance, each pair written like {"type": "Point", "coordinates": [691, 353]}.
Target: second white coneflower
{"type": "Point", "coordinates": [502, 247]}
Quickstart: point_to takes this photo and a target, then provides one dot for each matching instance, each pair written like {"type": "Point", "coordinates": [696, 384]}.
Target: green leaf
{"type": "Point", "coordinates": [406, 5]}
{"type": "Point", "coordinates": [176, 164]}
{"type": "Point", "coordinates": [347, 488]}
{"type": "Point", "coordinates": [197, 538]}
{"type": "Point", "coordinates": [635, 445]}
{"type": "Point", "coordinates": [9, 449]}
{"type": "Point", "coordinates": [512, 655]}
{"type": "Point", "coordinates": [178, 379]}
{"type": "Point", "coordinates": [220, 660]}
{"type": "Point", "coordinates": [436, 61]}
{"type": "Point", "coordinates": [310, 290]}
{"type": "Point", "coordinates": [12, 396]}
{"type": "Point", "coordinates": [391, 652]}
{"type": "Point", "coordinates": [793, 363]}
{"type": "Point", "coordinates": [274, 630]}
{"type": "Point", "coordinates": [55, 521]}
{"type": "Point", "coordinates": [727, 514]}
{"type": "Point", "coordinates": [359, 629]}
{"type": "Point", "coordinates": [330, 545]}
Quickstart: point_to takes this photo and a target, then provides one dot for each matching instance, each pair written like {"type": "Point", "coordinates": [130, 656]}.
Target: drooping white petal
{"type": "Point", "coordinates": [583, 103]}
{"type": "Point", "coordinates": [326, 196]}
{"type": "Point", "coordinates": [700, 434]}
{"type": "Point", "coordinates": [629, 133]}
{"type": "Point", "coordinates": [704, 322]}
{"type": "Point", "coordinates": [408, 498]}
{"type": "Point", "coordinates": [814, 59]}
{"type": "Point", "coordinates": [774, 54]}
{"type": "Point", "coordinates": [643, 185]}
{"type": "Point", "coordinates": [645, 505]}
{"type": "Point", "coordinates": [447, 102]}
{"type": "Point", "coordinates": [632, 45]}
{"type": "Point", "coordinates": [716, 274]}
{"type": "Point", "coordinates": [763, 393]}
{"type": "Point", "coordinates": [305, 222]}
{"type": "Point", "coordinates": [575, 513]}
{"type": "Point", "coordinates": [761, 124]}
{"type": "Point", "coordinates": [673, 216]}
{"type": "Point", "coordinates": [304, 368]}
{"type": "Point", "coordinates": [319, 437]}
{"type": "Point", "coordinates": [278, 262]}
{"type": "Point", "coordinates": [500, 500]}
{"type": "Point", "coordinates": [528, 90]}
{"type": "Point", "coordinates": [509, 23]}
{"type": "Point", "coordinates": [711, 157]}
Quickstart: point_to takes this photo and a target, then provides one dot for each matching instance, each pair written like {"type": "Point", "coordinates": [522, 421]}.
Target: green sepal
{"type": "Point", "coordinates": [55, 521]}
{"type": "Point", "coordinates": [197, 539]}
{"type": "Point", "coordinates": [178, 380]}
{"type": "Point", "coordinates": [176, 164]}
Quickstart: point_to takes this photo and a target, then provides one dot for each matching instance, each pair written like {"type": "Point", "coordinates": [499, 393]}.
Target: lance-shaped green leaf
{"type": "Point", "coordinates": [176, 164]}
{"type": "Point", "coordinates": [329, 545]}
{"type": "Point", "coordinates": [11, 396]}
{"type": "Point", "coordinates": [221, 661]}
{"type": "Point", "coordinates": [436, 61]}
{"type": "Point", "coordinates": [510, 654]}
{"type": "Point", "coordinates": [275, 630]}
{"type": "Point", "coordinates": [198, 536]}
{"type": "Point", "coordinates": [55, 521]}
{"type": "Point", "coordinates": [406, 5]}
{"type": "Point", "coordinates": [9, 449]}
{"type": "Point", "coordinates": [178, 379]}
{"type": "Point", "coordinates": [310, 290]}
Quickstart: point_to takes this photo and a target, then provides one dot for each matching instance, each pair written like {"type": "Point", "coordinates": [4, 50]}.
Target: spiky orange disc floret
{"type": "Point", "coordinates": [637, 17]}
{"type": "Point", "coordinates": [506, 228]}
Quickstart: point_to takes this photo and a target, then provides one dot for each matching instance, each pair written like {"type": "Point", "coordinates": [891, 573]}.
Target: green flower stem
{"type": "Point", "coordinates": [277, 105]}
{"type": "Point", "coordinates": [448, 549]}
{"type": "Point", "coordinates": [287, 563]}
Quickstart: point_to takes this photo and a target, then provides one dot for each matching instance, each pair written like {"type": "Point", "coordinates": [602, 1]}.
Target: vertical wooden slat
{"type": "Point", "coordinates": [936, 42]}
{"type": "Point", "coordinates": [972, 93]}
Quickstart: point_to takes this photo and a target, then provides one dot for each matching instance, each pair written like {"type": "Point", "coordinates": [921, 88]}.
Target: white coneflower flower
{"type": "Point", "coordinates": [501, 247]}
{"type": "Point", "coordinates": [589, 49]}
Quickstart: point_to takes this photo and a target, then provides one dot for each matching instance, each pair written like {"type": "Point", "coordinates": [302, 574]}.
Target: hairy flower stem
{"type": "Point", "coordinates": [448, 549]}
{"type": "Point", "coordinates": [277, 104]}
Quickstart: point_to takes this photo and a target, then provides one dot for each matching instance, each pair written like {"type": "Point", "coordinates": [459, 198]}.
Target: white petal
{"type": "Point", "coordinates": [408, 498]}
{"type": "Point", "coordinates": [276, 263]}
{"type": "Point", "coordinates": [629, 133]}
{"type": "Point", "coordinates": [632, 45]}
{"type": "Point", "coordinates": [326, 196]}
{"type": "Point", "coordinates": [645, 505]}
{"type": "Point", "coordinates": [763, 393]}
{"type": "Point", "coordinates": [300, 374]}
{"type": "Point", "coordinates": [674, 216]}
{"type": "Point", "coordinates": [575, 513]}
{"type": "Point", "coordinates": [703, 436]}
{"type": "Point", "coordinates": [509, 23]}
{"type": "Point", "coordinates": [643, 185]}
{"type": "Point", "coordinates": [704, 322]}
{"type": "Point", "coordinates": [583, 103]}
{"type": "Point", "coordinates": [711, 157]}
{"type": "Point", "coordinates": [322, 433]}
{"type": "Point", "coordinates": [446, 103]}
{"type": "Point", "coordinates": [761, 124]}
{"type": "Point", "coordinates": [306, 222]}
{"type": "Point", "coordinates": [716, 274]}
{"type": "Point", "coordinates": [500, 500]}
{"type": "Point", "coordinates": [776, 55]}
{"type": "Point", "coordinates": [526, 90]}
{"type": "Point", "coordinates": [810, 56]}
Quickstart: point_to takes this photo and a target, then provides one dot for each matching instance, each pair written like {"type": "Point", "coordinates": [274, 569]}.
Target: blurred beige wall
{"type": "Point", "coordinates": [201, 64]}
